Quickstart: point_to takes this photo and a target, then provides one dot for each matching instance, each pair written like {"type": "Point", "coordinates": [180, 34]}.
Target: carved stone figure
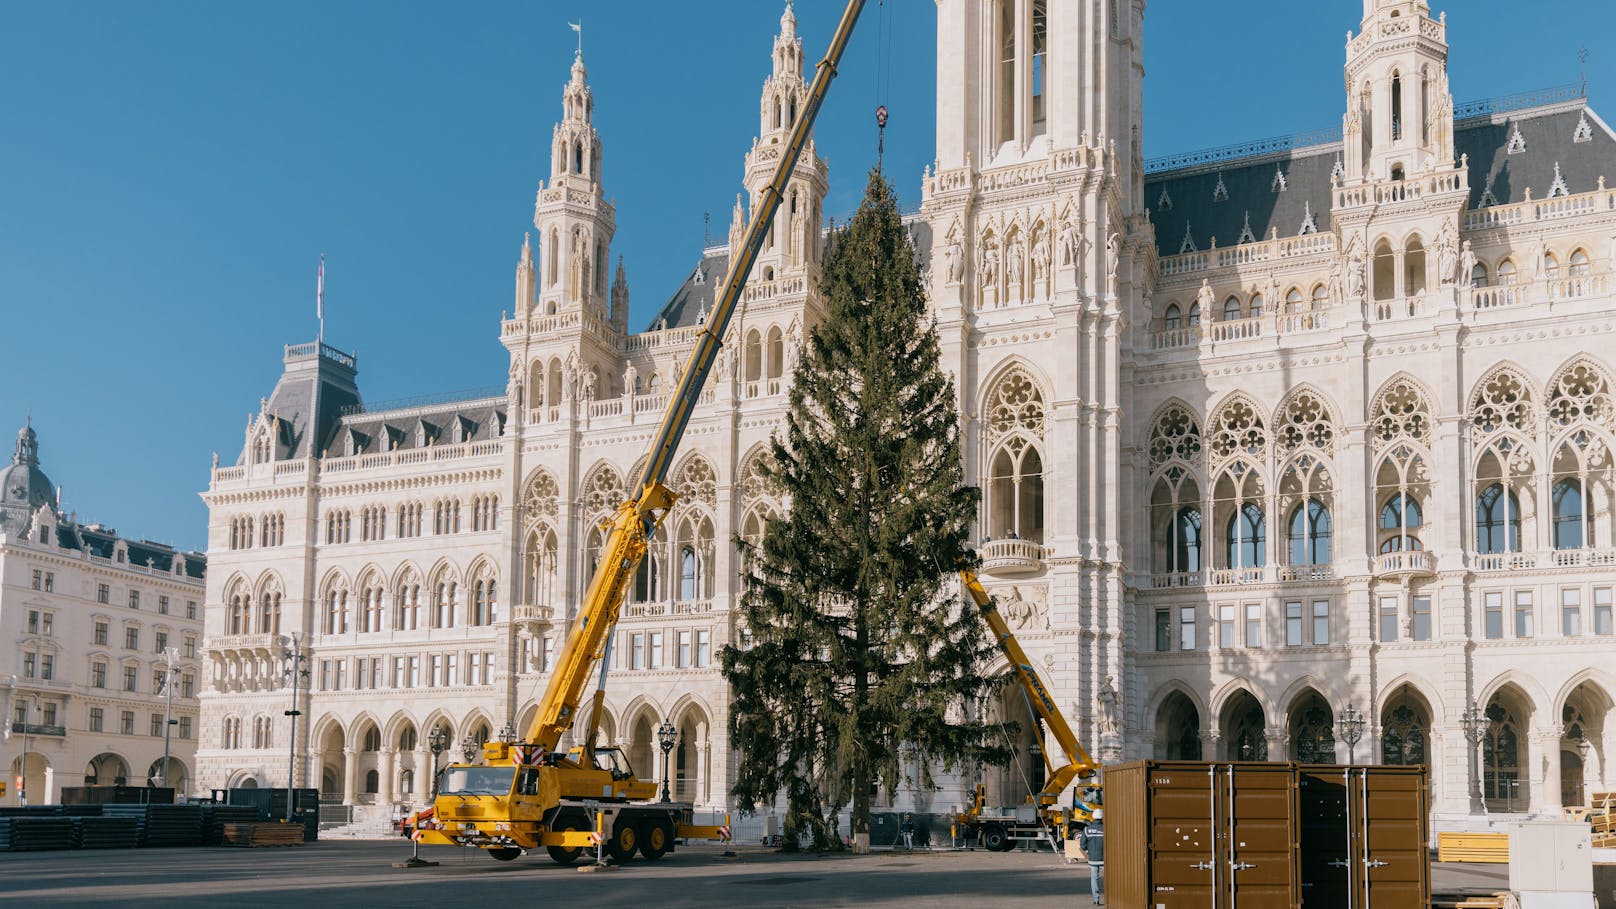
{"type": "Point", "coordinates": [631, 378]}
{"type": "Point", "coordinates": [1017, 610]}
{"type": "Point", "coordinates": [1355, 273]}
{"type": "Point", "coordinates": [955, 256]}
{"type": "Point", "coordinates": [1040, 258]}
{"type": "Point", "coordinates": [1447, 258]}
{"type": "Point", "coordinates": [1113, 257]}
{"type": "Point", "coordinates": [589, 379]}
{"type": "Point", "coordinates": [1014, 262]}
{"type": "Point", "coordinates": [1204, 298]}
{"type": "Point", "coordinates": [570, 378]}
{"type": "Point", "coordinates": [1068, 244]}
{"type": "Point", "coordinates": [1109, 706]}
{"type": "Point", "coordinates": [989, 269]}
{"type": "Point", "coordinates": [1336, 280]}
{"type": "Point", "coordinates": [1467, 264]}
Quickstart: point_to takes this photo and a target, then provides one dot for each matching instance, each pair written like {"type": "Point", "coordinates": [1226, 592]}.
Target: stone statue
{"type": "Point", "coordinates": [955, 256]}
{"type": "Point", "coordinates": [1017, 610]}
{"type": "Point", "coordinates": [589, 379]}
{"type": "Point", "coordinates": [1336, 285]}
{"type": "Point", "coordinates": [570, 380]}
{"type": "Point", "coordinates": [631, 378]}
{"type": "Point", "coordinates": [1447, 258]}
{"type": "Point", "coordinates": [1467, 265]}
{"type": "Point", "coordinates": [1040, 258]}
{"type": "Point", "coordinates": [990, 266]}
{"type": "Point", "coordinates": [1014, 262]}
{"type": "Point", "coordinates": [1068, 244]}
{"type": "Point", "coordinates": [1204, 299]}
{"type": "Point", "coordinates": [1113, 257]}
{"type": "Point", "coordinates": [1108, 700]}
{"type": "Point", "coordinates": [1355, 273]}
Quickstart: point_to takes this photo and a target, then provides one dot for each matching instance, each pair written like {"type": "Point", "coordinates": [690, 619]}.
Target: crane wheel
{"type": "Point", "coordinates": [654, 840]}
{"type": "Point", "coordinates": [505, 854]}
{"type": "Point", "coordinates": [995, 840]}
{"type": "Point", "coordinates": [563, 856]}
{"type": "Point", "coordinates": [625, 840]}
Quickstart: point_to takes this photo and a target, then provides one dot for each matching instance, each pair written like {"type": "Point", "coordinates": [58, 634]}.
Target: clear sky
{"type": "Point", "coordinates": [170, 173]}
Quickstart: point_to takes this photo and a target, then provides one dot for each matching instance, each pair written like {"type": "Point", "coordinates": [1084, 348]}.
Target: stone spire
{"type": "Point", "coordinates": [526, 278]}
{"type": "Point", "coordinates": [1399, 117]}
{"type": "Point", "coordinates": [620, 297]}
{"type": "Point", "coordinates": [575, 222]}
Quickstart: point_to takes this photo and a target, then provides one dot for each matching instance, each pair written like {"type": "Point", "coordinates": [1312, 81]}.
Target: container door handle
{"type": "Point", "coordinates": [1240, 866]}
{"type": "Point", "coordinates": [1203, 866]}
{"type": "Point", "coordinates": [1375, 863]}
{"type": "Point", "coordinates": [1340, 863]}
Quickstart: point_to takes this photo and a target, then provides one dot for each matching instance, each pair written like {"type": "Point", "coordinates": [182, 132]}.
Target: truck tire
{"type": "Point", "coordinates": [505, 854]}
{"type": "Point", "coordinates": [655, 840]}
{"type": "Point", "coordinates": [564, 856]}
{"type": "Point", "coordinates": [994, 839]}
{"type": "Point", "coordinates": [625, 841]}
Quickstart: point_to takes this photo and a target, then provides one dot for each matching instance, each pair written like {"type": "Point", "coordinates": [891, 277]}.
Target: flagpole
{"type": "Point", "coordinates": [319, 298]}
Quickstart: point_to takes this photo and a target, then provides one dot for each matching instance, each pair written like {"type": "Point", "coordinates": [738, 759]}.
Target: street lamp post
{"type": "Point", "coordinates": [173, 654]}
{"type": "Point", "coordinates": [30, 702]}
{"type": "Point", "coordinates": [1351, 726]}
{"type": "Point", "coordinates": [1474, 724]}
{"type": "Point", "coordinates": [437, 741]}
{"type": "Point", "coordinates": [293, 657]}
{"type": "Point", "coordinates": [468, 748]}
{"type": "Point", "coordinates": [665, 734]}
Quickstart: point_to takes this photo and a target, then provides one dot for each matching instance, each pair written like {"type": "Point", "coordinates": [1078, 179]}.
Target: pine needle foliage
{"type": "Point", "coordinates": [860, 656]}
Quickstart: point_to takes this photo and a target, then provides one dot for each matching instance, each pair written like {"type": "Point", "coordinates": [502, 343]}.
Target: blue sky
{"type": "Point", "coordinates": [171, 171]}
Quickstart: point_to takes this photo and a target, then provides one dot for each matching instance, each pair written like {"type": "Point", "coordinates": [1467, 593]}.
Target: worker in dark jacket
{"type": "Point", "coordinates": [1093, 842]}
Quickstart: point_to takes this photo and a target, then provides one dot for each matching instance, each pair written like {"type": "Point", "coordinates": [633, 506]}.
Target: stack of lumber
{"type": "Point", "coordinates": [114, 832]}
{"type": "Point", "coordinates": [27, 834]}
{"type": "Point", "coordinates": [263, 834]}
{"type": "Point", "coordinates": [1491, 848]}
{"type": "Point", "coordinates": [1602, 818]}
{"type": "Point", "coordinates": [214, 817]}
{"type": "Point", "coordinates": [1498, 900]}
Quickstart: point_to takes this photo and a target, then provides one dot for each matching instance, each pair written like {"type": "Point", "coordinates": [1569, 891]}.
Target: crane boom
{"type": "Point", "coordinates": [637, 519]}
{"type": "Point", "coordinates": [1078, 761]}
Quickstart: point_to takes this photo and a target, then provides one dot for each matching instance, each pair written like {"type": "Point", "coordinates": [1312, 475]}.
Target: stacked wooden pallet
{"type": "Point", "coordinates": [1474, 901]}
{"type": "Point", "coordinates": [263, 834]}
{"type": "Point", "coordinates": [1602, 818]}
{"type": "Point", "coordinates": [1490, 848]}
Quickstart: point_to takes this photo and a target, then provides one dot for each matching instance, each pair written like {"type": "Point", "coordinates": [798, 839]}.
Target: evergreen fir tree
{"type": "Point", "coordinates": [859, 649]}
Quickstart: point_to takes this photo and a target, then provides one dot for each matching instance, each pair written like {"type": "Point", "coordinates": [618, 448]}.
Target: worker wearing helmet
{"type": "Point", "coordinates": [1093, 842]}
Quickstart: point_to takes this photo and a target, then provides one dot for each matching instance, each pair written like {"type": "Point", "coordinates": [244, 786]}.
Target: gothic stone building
{"type": "Point", "coordinates": [1269, 437]}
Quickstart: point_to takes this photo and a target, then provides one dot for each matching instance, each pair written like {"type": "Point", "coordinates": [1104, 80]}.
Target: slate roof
{"type": "Point", "coordinates": [1191, 204]}
{"type": "Point", "coordinates": [102, 542]}
{"type": "Point", "coordinates": [694, 295]}
{"type": "Point", "coordinates": [447, 423]}
{"type": "Point", "coordinates": [310, 397]}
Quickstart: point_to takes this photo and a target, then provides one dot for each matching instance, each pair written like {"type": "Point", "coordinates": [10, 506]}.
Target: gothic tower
{"type": "Point", "coordinates": [1399, 116]}
{"type": "Point", "coordinates": [573, 218]}
{"type": "Point", "coordinates": [1040, 250]}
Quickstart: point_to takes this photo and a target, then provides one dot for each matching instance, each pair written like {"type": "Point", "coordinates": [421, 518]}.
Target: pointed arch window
{"type": "Point", "coordinates": [1171, 318]}
{"type": "Point", "coordinates": [1195, 315]}
{"type": "Point", "coordinates": [1246, 536]}
{"type": "Point", "coordinates": [1016, 486]}
{"type": "Point", "coordinates": [1184, 544]}
{"type": "Point", "coordinates": [1399, 515]}
{"type": "Point", "coordinates": [1506, 272]}
{"type": "Point", "coordinates": [1498, 521]}
{"type": "Point", "coordinates": [1578, 264]}
{"type": "Point", "coordinates": [1397, 106]}
{"type": "Point", "coordinates": [1232, 310]}
{"type": "Point", "coordinates": [1310, 534]}
{"type": "Point", "coordinates": [1040, 53]}
{"type": "Point", "coordinates": [1570, 508]}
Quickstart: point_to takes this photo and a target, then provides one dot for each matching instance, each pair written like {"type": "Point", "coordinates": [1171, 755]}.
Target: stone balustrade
{"type": "Point", "coordinates": [1009, 558]}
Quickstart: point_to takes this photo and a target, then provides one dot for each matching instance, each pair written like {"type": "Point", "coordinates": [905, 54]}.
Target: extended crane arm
{"type": "Point", "coordinates": [637, 519]}
{"type": "Point", "coordinates": [1078, 761]}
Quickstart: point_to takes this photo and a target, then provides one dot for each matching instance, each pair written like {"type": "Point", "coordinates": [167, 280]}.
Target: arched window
{"type": "Point", "coordinates": [373, 739]}
{"type": "Point", "coordinates": [1195, 315]}
{"type": "Point", "coordinates": [1579, 263]}
{"type": "Point", "coordinates": [688, 574]}
{"type": "Point", "coordinates": [1397, 106]}
{"type": "Point", "coordinates": [1569, 509]}
{"type": "Point", "coordinates": [1551, 266]}
{"type": "Point", "coordinates": [1256, 307]}
{"type": "Point", "coordinates": [1293, 300]}
{"type": "Point", "coordinates": [1310, 534]}
{"type": "Point", "coordinates": [1414, 268]}
{"type": "Point", "coordinates": [777, 353]}
{"type": "Point", "coordinates": [1184, 547]}
{"type": "Point", "coordinates": [1498, 521]}
{"type": "Point", "coordinates": [1016, 487]}
{"type": "Point", "coordinates": [1321, 297]}
{"type": "Point", "coordinates": [1478, 275]}
{"type": "Point", "coordinates": [1246, 535]}
{"type": "Point", "coordinates": [1232, 310]}
{"type": "Point", "coordinates": [1506, 272]}
{"type": "Point", "coordinates": [1171, 318]}
{"type": "Point", "coordinates": [753, 362]}
{"type": "Point", "coordinates": [1501, 760]}
{"type": "Point", "coordinates": [1402, 738]}
{"type": "Point", "coordinates": [1385, 271]}
{"type": "Point", "coordinates": [1399, 515]}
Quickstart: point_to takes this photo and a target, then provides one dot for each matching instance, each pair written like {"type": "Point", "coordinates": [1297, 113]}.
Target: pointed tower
{"type": "Point", "coordinates": [792, 247]}
{"type": "Point", "coordinates": [527, 279]}
{"type": "Point", "coordinates": [620, 298]}
{"type": "Point", "coordinates": [573, 218]}
{"type": "Point", "coordinates": [1399, 119]}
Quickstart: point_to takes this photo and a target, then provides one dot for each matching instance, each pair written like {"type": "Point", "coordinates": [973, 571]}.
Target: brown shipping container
{"type": "Point", "coordinates": [1364, 837]}
{"type": "Point", "coordinates": [1198, 835]}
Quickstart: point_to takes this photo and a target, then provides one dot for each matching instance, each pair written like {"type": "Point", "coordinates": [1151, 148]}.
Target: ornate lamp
{"type": "Point", "coordinates": [1350, 726]}
{"type": "Point", "coordinates": [437, 742]}
{"type": "Point", "coordinates": [666, 734]}
{"type": "Point", "coordinates": [507, 734]}
{"type": "Point", "coordinates": [1474, 723]}
{"type": "Point", "coordinates": [469, 748]}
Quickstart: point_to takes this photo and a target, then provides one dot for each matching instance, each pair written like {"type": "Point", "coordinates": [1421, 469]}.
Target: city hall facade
{"type": "Point", "coordinates": [1268, 437]}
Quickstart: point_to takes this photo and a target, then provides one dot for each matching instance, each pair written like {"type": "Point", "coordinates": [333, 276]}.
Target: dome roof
{"type": "Point", "coordinates": [23, 486]}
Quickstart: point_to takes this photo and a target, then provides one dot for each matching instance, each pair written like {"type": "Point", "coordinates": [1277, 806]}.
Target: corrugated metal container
{"type": "Point", "coordinates": [1364, 837]}
{"type": "Point", "coordinates": [1198, 835]}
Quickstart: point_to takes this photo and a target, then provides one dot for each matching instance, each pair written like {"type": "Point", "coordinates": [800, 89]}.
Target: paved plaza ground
{"type": "Point", "coordinates": [359, 874]}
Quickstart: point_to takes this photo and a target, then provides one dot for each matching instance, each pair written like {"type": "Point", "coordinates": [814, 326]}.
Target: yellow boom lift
{"type": "Point", "coordinates": [525, 795]}
{"type": "Point", "coordinates": [1044, 818]}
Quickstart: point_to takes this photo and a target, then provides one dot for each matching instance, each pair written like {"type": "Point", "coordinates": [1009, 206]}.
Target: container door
{"type": "Point", "coordinates": [1325, 831]}
{"type": "Point", "coordinates": [1394, 867]}
{"type": "Point", "coordinates": [1182, 857]}
{"type": "Point", "coordinates": [1260, 843]}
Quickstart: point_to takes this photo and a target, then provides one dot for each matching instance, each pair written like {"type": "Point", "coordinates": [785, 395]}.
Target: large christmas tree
{"type": "Point", "coordinates": [858, 655]}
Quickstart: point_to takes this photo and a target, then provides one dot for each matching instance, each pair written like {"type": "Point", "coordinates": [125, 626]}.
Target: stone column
{"type": "Point", "coordinates": [350, 775]}
{"type": "Point", "coordinates": [423, 773]}
{"type": "Point", "coordinates": [703, 746]}
{"type": "Point", "coordinates": [1547, 742]}
{"type": "Point", "coordinates": [386, 774]}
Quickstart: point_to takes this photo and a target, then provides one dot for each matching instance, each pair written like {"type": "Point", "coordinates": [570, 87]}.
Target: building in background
{"type": "Point", "coordinates": [1270, 438]}
{"type": "Point", "coordinates": [96, 626]}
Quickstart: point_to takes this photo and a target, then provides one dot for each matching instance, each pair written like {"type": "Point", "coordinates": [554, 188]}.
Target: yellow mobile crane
{"type": "Point", "coordinates": [525, 795]}
{"type": "Point", "coordinates": [1044, 817]}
